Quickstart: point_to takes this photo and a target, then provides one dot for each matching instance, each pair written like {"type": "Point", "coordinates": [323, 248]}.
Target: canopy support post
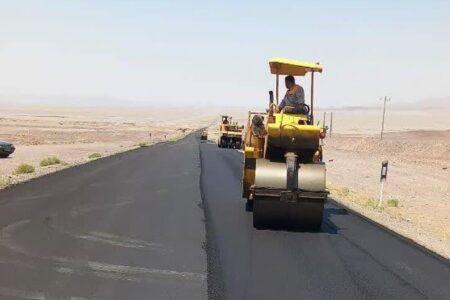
{"type": "Point", "coordinates": [312, 98]}
{"type": "Point", "coordinates": [276, 95]}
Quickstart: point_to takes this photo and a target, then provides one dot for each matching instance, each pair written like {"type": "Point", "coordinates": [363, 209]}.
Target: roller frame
{"type": "Point", "coordinates": [289, 196]}
{"type": "Point", "coordinates": [273, 175]}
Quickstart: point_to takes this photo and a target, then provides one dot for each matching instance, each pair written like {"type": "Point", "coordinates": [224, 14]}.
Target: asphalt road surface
{"type": "Point", "coordinates": [131, 226]}
{"type": "Point", "coordinates": [124, 227]}
{"type": "Point", "coordinates": [349, 259]}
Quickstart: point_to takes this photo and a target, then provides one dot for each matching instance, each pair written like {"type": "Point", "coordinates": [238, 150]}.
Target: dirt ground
{"type": "Point", "coordinates": [417, 187]}
{"type": "Point", "coordinates": [416, 143]}
{"type": "Point", "coordinates": [72, 134]}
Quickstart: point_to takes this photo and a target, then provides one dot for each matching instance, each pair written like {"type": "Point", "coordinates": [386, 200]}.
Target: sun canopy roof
{"type": "Point", "coordinates": [283, 66]}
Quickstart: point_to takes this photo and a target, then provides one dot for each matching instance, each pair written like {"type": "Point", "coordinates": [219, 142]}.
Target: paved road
{"type": "Point", "coordinates": [131, 227]}
{"type": "Point", "coordinates": [122, 227]}
{"type": "Point", "coordinates": [349, 259]}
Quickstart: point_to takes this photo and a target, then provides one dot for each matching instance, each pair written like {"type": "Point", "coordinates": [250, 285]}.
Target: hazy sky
{"type": "Point", "coordinates": [216, 52]}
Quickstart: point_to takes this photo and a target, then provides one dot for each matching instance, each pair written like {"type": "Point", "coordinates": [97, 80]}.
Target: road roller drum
{"type": "Point", "coordinates": [310, 177]}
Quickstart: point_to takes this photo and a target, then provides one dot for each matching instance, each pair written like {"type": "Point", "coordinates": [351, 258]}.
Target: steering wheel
{"type": "Point", "coordinates": [306, 108]}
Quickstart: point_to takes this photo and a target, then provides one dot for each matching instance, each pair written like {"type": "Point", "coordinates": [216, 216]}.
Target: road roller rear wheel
{"type": "Point", "coordinates": [275, 214]}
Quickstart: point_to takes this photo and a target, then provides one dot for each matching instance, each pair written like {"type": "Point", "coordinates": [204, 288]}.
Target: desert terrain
{"type": "Point", "coordinates": [416, 200]}
{"type": "Point", "coordinates": [416, 143]}
{"type": "Point", "coordinates": [72, 134]}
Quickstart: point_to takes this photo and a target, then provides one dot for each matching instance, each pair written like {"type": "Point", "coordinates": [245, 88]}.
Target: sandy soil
{"type": "Point", "coordinates": [72, 134]}
{"type": "Point", "coordinates": [417, 146]}
{"type": "Point", "coordinates": [418, 180]}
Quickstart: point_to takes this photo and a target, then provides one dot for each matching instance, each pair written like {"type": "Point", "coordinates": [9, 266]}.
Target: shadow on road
{"type": "Point", "coordinates": [328, 226]}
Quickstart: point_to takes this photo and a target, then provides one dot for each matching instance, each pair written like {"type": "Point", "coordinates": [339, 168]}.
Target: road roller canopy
{"type": "Point", "coordinates": [284, 66]}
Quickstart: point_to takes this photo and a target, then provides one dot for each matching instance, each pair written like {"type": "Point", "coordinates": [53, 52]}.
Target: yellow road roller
{"type": "Point", "coordinates": [283, 178]}
{"type": "Point", "coordinates": [230, 134]}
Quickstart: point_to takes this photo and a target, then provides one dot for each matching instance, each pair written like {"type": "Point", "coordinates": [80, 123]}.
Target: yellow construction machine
{"type": "Point", "coordinates": [284, 175]}
{"type": "Point", "coordinates": [230, 134]}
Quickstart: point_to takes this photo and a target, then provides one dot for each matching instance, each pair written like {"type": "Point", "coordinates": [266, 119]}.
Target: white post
{"type": "Point", "coordinates": [380, 200]}
{"type": "Point", "coordinates": [383, 177]}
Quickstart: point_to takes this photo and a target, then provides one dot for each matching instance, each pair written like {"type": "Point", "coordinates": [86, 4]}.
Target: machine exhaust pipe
{"type": "Point", "coordinates": [270, 119]}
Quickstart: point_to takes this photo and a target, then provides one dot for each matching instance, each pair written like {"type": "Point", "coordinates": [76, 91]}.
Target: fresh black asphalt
{"type": "Point", "coordinates": [168, 222]}
{"type": "Point", "coordinates": [128, 226]}
{"type": "Point", "coordinates": [349, 259]}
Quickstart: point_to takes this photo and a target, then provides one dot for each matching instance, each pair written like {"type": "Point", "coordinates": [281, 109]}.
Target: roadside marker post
{"type": "Point", "coordinates": [383, 177]}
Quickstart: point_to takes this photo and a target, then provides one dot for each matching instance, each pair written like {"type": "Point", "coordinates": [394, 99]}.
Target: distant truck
{"type": "Point", "coordinates": [6, 149]}
{"type": "Point", "coordinates": [204, 136]}
{"type": "Point", "coordinates": [230, 135]}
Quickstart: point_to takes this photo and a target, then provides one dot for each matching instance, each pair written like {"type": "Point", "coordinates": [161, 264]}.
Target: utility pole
{"type": "Point", "coordinates": [385, 99]}
{"type": "Point", "coordinates": [331, 124]}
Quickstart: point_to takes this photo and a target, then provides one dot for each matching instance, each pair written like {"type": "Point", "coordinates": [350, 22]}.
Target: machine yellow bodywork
{"type": "Point", "coordinates": [292, 132]}
{"type": "Point", "coordinates": [253, 149]}
{"type": "Point", "coordinates": [284, 66]}
{"type": "Point", "coordinates": [283, 175]}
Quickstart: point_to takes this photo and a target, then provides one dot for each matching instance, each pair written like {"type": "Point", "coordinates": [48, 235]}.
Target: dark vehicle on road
{"type": "Point", "coordinates": [6, 149]}
{"type": "Point", "coordinates": [230, 134]}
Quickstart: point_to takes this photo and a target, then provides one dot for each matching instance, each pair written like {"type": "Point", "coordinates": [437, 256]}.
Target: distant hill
{"type": "Point", "coordinates": [64, 100]}
{"type": "Point", "coordinates": [425, 104]}
{"type": "Point", "coordinates": [432, 103]}
{"type": "Point", "coordinates": [347, 108]}
{"type": "Point", "coordinates": [107, 101]}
